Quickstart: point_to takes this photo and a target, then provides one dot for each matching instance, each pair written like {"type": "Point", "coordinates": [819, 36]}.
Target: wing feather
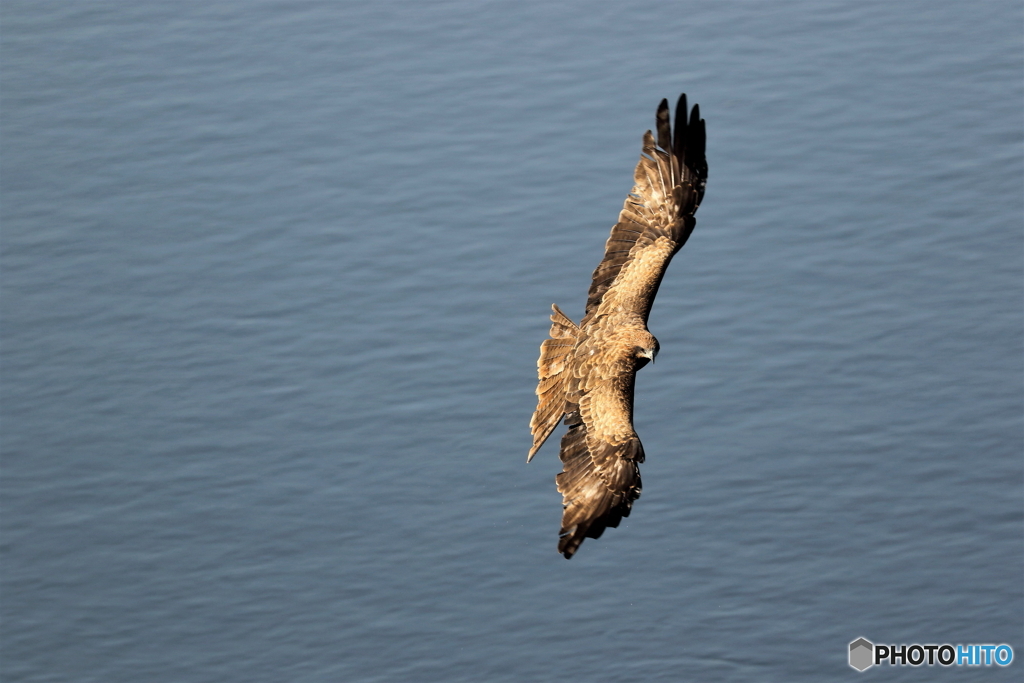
{"type": "Point", "coordinates": [669, 182]}
{"type": "Point", "coordinates": [600, 455]}
{"type": "Point", "coordinates": [599, 483]}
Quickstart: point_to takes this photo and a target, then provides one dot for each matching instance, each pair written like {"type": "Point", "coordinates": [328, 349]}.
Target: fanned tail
{"type": "Point", "coordinates": [554, 353]}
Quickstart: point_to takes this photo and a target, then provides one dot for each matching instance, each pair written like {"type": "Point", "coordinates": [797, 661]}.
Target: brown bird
{"type": "Point", "coordinates": [587, 372]}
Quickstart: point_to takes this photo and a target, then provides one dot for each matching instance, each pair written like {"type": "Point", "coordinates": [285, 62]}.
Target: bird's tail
{"type": "Point", "coordinates": [554, 353]}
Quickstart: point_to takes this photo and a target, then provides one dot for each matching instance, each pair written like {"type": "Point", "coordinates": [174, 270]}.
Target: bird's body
{"type": "Point", "coordinates": [587, 372]}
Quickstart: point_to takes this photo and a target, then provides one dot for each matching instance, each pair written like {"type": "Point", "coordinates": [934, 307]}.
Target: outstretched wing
{"type": "Point", "coordinates": [656, 218]}
{"type": "Point", "coordinates": [600, 453]}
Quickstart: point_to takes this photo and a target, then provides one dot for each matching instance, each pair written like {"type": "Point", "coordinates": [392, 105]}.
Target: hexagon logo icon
{"type": "Point", "coordinates": [861, 654]}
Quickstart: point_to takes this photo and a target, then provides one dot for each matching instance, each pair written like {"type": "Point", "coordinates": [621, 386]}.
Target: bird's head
{"type": "Point", "coordinates": [647, 349]}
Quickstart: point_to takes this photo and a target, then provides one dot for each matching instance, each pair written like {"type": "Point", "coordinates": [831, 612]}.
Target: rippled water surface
{"type": "Point", "coordinates": [273, 280]}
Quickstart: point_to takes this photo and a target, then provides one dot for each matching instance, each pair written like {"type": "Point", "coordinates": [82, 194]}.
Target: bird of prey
{"type": "Point", "coordinates": [587, 371]}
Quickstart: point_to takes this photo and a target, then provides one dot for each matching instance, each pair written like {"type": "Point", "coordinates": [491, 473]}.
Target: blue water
{"type": "Point", "coordinates": [274, 276]}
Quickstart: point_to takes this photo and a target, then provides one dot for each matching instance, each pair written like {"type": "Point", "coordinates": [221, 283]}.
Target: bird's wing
{"type": "Point", "coordinates": [600, 453]}
{"type": "Point", "coordinates": [656, 218]}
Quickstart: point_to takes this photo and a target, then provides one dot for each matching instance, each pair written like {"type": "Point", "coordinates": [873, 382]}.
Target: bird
{"type": "Point", "coordinates": [587, 372]}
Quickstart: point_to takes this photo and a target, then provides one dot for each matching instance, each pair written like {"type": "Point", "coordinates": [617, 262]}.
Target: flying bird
{"type": "Point", "coordinates": [587, 371]}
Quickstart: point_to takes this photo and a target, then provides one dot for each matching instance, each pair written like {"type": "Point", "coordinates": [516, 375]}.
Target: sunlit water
{"type": "Point", "coordinates": [274, 278]}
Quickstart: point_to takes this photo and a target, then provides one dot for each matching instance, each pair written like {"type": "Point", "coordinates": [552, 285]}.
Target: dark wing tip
{"type": "Point", "coordinates": [696, 133]}
{"type": "Point", "coordinates": [664, 128]}
{"type": "Point", "coordinates": [679, 143]}
{"type": "Point", "coordinates": [570, 540]}
{"type": "Point", "coordinates": [689, 143]}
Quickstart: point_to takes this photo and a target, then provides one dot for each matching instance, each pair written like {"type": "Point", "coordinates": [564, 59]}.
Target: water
{"type": "Point", "coordinates": [274, 277]}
